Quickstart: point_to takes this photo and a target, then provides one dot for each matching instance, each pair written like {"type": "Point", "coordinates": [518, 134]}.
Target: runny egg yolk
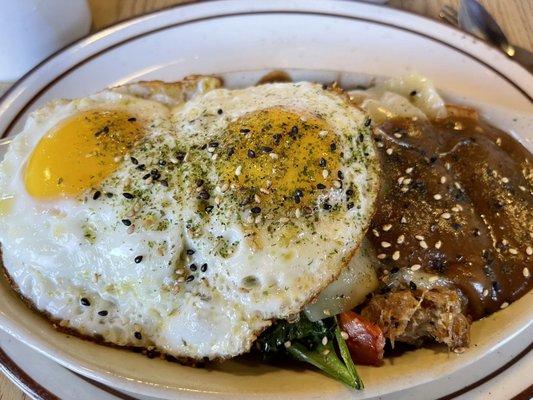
{"type": "Point", "coordinates": [80, 152]}
{"type": "Point", "coordinates": [289, 155]}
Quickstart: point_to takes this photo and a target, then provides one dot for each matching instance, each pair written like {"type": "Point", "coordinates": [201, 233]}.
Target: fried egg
{"type": "Point", "coordinates": [185, 226]}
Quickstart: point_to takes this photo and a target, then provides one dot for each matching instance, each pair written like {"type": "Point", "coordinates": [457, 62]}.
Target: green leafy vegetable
{"type": "Point", "coordinates": [304, 340]}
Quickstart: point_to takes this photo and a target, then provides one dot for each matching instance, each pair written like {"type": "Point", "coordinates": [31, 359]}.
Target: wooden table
{"type": "Point", "coordinates": [514, 16]}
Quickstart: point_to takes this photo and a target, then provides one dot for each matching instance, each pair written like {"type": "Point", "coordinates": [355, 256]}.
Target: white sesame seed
{"type": "Point", "coordinates": [433, 278]}
{"type": "Point", "coordinates": [268, 183]}
{"type": "Point", "coordinates": [407, 181]}
{"type": "Point", "coordinates": [389, 151]}
{"type": "Point", "coordinates": [448, 166]}
{"type": "Point", "coordinates": [404, 189]}
{"type": "Point", "coordinates": [457, 185]}
{"type": "Point", "coordinates": [323, 134]}
{"type": "Point", "coordinates": [375, 232]}
{"type": "Point", "coordinates": [409, 170]}
{"type": "Point", "coordinates": [505, 180]}
{"type": "Point", "coordinates": [529, 250]}
{"type": "Point", "coordinates": [437, 196]}
{"type": "Point", "coordinates": [325, 352]}
{"type": "Point", "coordinates": [186, 157]}
{"type": "Point", "coordinates": [224, 187]}
{"type": "Point", "coordinates": [504, 305]}
{"type": "Point", "coordinates": [326, 312]}
{"type": "Point", "coordinates": [181, 279]}
{"type": "Point", "coordinates": [264, 191]}
{"type": "Point", "coordinates": [415, 267]}
{"type": "Point", "coordinates": [386, 227]}
{"type": "Point", "coordinates": [403, 220]}
{"type": "Point", "coordinates": [513, 251]}
{"type": "Point", "coordinates": [423, 244]}
{"type": "Point", "coordinates": [419, 237]}
{"type": "Point", "coordinates": [522, 188]}
{"type": "Point", "coordinates": [149, 180]}
{"type": "Point", "coordinates": [396, 255]}
{"type": "Point", "coordinates": [398, 135]}
{"type": "Point", "coordinates": [344, 335]}
{"type": "Point", "coordinates": [287, 344]}
{"type": "Point", "coordinates": [385, 244]}
{"type": "Point", "coordinates": [459, 350]}
{"type": "Point", "coordinates": [324, 340]}
{"type": "Point", "coordinates": [297, 213]}
{"type": "Point", "coordinates": [325, 173]}
{"type": "Point", "coordinates": [400, 239]}
{"type": "Point", "coordinates": [250, 219]}
{"type": "Point", "coordinates": [382, 256]}
{"type": "Point", "coordinates": [446, 215]}
{"type": "Point", "coordinates": [283, 220]}
{"type": "Point", "coordinates": [210, 149]}
{"type": "Point", "coordinates": [455, 209]}
{"type": "Point", "coordinates": [258, 219]}
{"type": "Point", "coordinates": [337, 184]}
{"type": "Point", "coordinates": [400, 180]}
{"type": "Point", "coordinates": [499, 141]}
{"type": "Point", "coordinates": [438, 244]}
{"type": "Point", "coordinates": [214, 156]}
{"type": "Point", "coordinates": [218, 200]}
{"type": "Point", "coordinates": [525, 272]}
{"type": "Point", "coordinates": [485, 293]}
{"type": "Point", "coordinates": [238, 170]}
{"type": "Point", "coordinates": [442, 179]}
{"type": "Point", "coordinates": [273, 156]}
{"type": "Point", "coordinates": [505, 242]}
{"type": "Point", "coordinates": [257, 199]}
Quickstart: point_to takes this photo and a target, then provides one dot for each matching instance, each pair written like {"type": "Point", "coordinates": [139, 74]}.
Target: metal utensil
{"type": "Point", "coordinates": [474, 18]}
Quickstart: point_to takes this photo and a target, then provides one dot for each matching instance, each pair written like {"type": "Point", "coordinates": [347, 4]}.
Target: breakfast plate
{"type": "Point", "coordinates": [349, 42]}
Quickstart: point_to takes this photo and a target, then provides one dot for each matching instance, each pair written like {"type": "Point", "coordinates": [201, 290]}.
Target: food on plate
{"type": "Point", "coordinates": [287, 219]}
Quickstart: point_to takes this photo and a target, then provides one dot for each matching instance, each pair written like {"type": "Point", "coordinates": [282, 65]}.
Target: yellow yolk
{"type": "Point", "coordinates": [283, 152]}
{"type": "Point", "coordinates": [80, 152]}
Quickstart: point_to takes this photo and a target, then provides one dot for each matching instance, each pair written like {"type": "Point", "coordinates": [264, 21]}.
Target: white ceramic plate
{"type": "Point", "coordinates": [236, 39]}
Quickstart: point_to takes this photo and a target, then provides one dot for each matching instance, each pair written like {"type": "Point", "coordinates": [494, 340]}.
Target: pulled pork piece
{"type": "Point", "coordinates": [413, 316]}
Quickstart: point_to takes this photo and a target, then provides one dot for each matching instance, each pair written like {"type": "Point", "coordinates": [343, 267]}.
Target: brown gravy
{"type": "Point", "coordinates": [456, 199]}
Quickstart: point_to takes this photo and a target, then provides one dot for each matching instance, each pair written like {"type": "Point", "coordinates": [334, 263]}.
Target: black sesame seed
{"type": "Point", "coordinates": [394, 270]}
{"type": "Point", "coordinates": [299, 193]}
{"type": "Point", "coordinates": [251, 153]}
{"type": "Point", "coordinates": [231, 150]}
{"type": "Point", "coordinates": [324, 86]}
{"type": "Point", "coordinates": [476, 232]}
{"type": "Point", "coordinates": [204, 195]}
{"type": "Point", "coordinates": [155, 174]}
{"type": "Point", "coordinates": [322, 162]}
{"type": "Point", "coordinates": [256, 210]}
{"type": "Point", "coordinates": [162, 162]}
{"type": "Point", "coordinates": [349, 192]}
{"type": "Point", "coordinates": [361, 138]}
{"type": "Point", "coordinates": [413, 93]}
{"type": "Point", "coordinates": [190, 278]}
{"type": "Point", "coordinates": [277, 138]}
{"type": "Point", "coordinates": [245, 130]}
{"type": "Point", "coordinates": [213, 144]}
{"type": "Point", "coordinates": [126, 222]}
{"type": "Point", "coordinates": [141, 167]}
{"type": "Point", "coordinates": [412, 285]}
{"type": "Point", "coordinates": [327, 206]}
{"type": "Point", "coordinates": [333, 147]}
{"type": "Point", "coordinates": [219, 111]}
{"type": "Point", "coordinates": [199, 182]}
{"type": "Point", "coordinates": [85, 302]}
{"type": "Point", "coordinates": [203, 268]}
{"type": "Point", "coordinates": [138, 335]}
{"type": "Point", "coordinates": [96, 195]}
{"type": "Point", "coordinates": [164, 182]}
{"type": "Point", "coordinates": [368, 121]}
{"type": "Point", "coordinates": [349, 206]}
{"type": "Point", "coordinates": [146, 176]}
{"type": "Point", "coordinates": [132, 119]}
{"type": "Point", "coordinates": [102, 313]}
{"type": "Point", "coordinates": [208, 209]}
{"type": "Point", "coordinates": [180, 156]}
{"type": "Point", "coordinates": [138, 259]}
{"type": "Point", "coordinates": [105, 129]}
{"type": "Point", "coordinates": [190, 252]}
{"type": "Point", "coordinates": [134, 161]}
{"type": "Point", "coordinates": [204, 146]}
{"type": "Point", "coordinates": [266, 149]}
{"type": "Point", "coordinates": [320, 186]}
{"type": "Point", "coordinates": [297, 199]}
{"type": "Point", "coordinates": [294, 130]}
{"type": "Point", "coordinates": [127, 195]}
{"type": "Point", "coordinates": [340, 175]}
{"type": "Point", "coordinates": [193, 267]}
{"type": "Point", "coordinates": [496, 286]}
{"type": "Point", "coordinates": [109, 195]}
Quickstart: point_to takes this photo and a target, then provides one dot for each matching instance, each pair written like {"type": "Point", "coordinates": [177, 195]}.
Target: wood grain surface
{"type": "Point", "coordinates": [514, 16]}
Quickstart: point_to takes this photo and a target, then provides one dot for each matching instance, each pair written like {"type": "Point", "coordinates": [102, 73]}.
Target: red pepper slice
{"type": "Point", "coordinates": [365, 339]}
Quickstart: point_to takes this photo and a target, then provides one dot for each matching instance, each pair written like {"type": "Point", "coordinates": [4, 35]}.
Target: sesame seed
{"type": "Point", "coordinates": [446, 215]}
{"type": "Point", "coordinates": [522, 188]}
{"type": "Point", "coordinates": [190, 278]}
{"type": "Point", "coordinates": [190, 252]}
{"type": "Point", "coordinates": [409, 170]}
{"type": "Point", "coordinates": [85, 302]}
{"type": "Point", "coordinates": [459, 350]}
{"type": "Point", "coordinates": [333, 147]}
{"type": "Point", "coordinates": [380, 145]}
{"type": "Point", "coordinates": [499, 141]}
{"type": "Point", "coordinates": [403, 220]}
{"type": "Point", "coordinates": [325, 352]}
{"type": "Point", "coordinates": [386, 227]}
{"type": "Point", "coordinates": [325, 173]}
{"type": "Point", "coordinates": [485, 293]}
{"type": "Point", "coordinates": [128, 196]}
{"type": "Point", "coordinates": [218, 200]}
{"type": "Point", "coordinates": [322, 134]}
{"type": "Point", "coordinates": [389, 151]}
{"type": "Point", "coordinates": [513, 251]}
{"type": "Point", "coordinates": [419, 237]}
{"type": "Point", "coordinates": [505, 180]}
{"type": "Point", "coordinates": [256, 210]}
{"type": "Point", "coordinates": [457, 185]}
{"type": "Point", "coordinates": [126, 222]}
{"type": "Point", "coordinates": [214, 157]}
{"type": "Point", "coordinates": [504, 305]}
{"type": "Point", "coordinates": [344, 335]}
{"type": "Point", "coordinates": [193, 267]}
{"type": "Point", "coordinates": [273, 156]}
{"type": "Point", "coordinates": [438, 244]}
{"type": "Point", "coordinates": [433, 278]}
{"type": "Point", "coordinates": [455, 209]}
{"type": "Point", "coordinates": [437, 196]}
{"type": "Point", "coordinates": [96, 195]}
{"type": "Point", "coordinates": [258, 219]}
{"type": "Point", "coordinates": [283, 220]}
{"type": "Point", "coordinates": [400, 180]}
{"type": "Point", "coordinates": [138, 335]}
{"type": "Point", "coordinates": [525, 272]}
{"type": "Point", "coordinates": [102, 313]}
{"type": "Point", "coordinates": [385, 244]}
{"type": "Point", "coordinates": [324, 340]}
{"type": "Point", "coordinates": [219, 111]}
{"type": "Point", "coordinates": [375, 232]}
{"type": "Point", "coordinates": [320, 186]}
{"type": "Point", "coordinates": [415, 267]}
{"type": "Point", "coordinates": [382, 256]}
{"type": "Point", "coordinates": [529, 250]}
{"type": "Point", "coordinates": [340, 175]}
{"type": "Point", "coordinates": [400, 239]}
{"type": "Point", "coordinates": [257, 199]}
{"type": "Point", "coordinates": [505, 242]}
{"type": "Point", "coordinates": [398, 135]}
{"type": "Point", "coordinates": [396, 255]}
{"type": "Point", "coordinates": [287, 344]}
{"type": "Point", "coordinates": [337, 184]}
{"type": "Point", "coordinates": [327, 206]}
{"type": "Point", "coordinates": [138, 259]}
{"type": "Point", "coordinates": [238, 170]}
{"type": "Point", "coordinates": [423, 244]}
{"type": "Point", "coordinates": [406, 181]}
{"type": "Point", "coordinates": [203, 268]}
{"type": "Point", "coordinates": [224, 187]}
{"type": "Point", "coordinates": [404, 189]}
{"type": "Point", "coordinates": [442, 179]}
{"type": "Point", "coordinates": [251, 153]}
